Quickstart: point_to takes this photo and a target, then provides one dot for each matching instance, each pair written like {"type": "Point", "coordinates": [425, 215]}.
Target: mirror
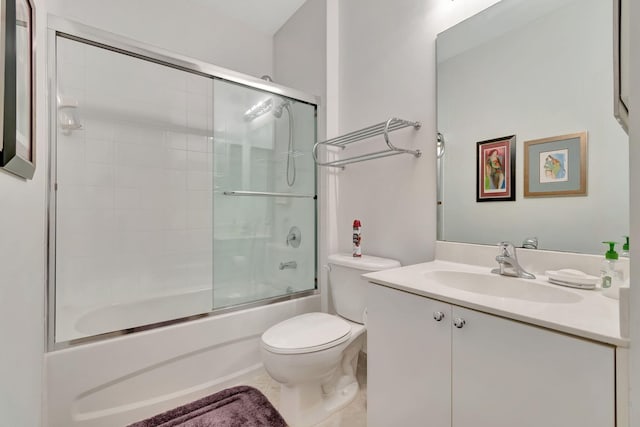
{"type": "Point", "coordinates": [539, 70]}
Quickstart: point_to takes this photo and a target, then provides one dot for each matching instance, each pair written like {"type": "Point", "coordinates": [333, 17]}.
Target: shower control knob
{"type": "Point", "coordinates": [438, 316]}
{"type": "Point", "coordinates": [458, 322]}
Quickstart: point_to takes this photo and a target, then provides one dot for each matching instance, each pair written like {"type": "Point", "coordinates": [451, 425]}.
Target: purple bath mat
{"type": "Point", "coordinates": [240, 406]}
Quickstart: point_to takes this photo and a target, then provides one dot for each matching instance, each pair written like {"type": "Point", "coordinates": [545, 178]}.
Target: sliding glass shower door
{"type": "Point", "coordinates": [163, 202]}
{"type": "Point", "coordinates": [264, 195]}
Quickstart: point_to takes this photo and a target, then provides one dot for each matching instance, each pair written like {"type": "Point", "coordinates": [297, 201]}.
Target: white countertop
{"type": "Point", "coordinates": [594, 316]}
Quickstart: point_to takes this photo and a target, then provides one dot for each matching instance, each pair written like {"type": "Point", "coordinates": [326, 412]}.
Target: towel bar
{"type": "Point", "coordinates": [383, 128]}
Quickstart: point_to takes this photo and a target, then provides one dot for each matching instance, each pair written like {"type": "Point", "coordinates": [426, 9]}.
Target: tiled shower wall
{"type": "Point", "coordinates": [134, 198]}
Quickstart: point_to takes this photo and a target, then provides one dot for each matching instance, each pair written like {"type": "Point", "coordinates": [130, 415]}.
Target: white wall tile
{"type": "Point", "coordinates": [72, 77]}
{"type": "Point", "coordinates": [99, 150]}
{"type": "Point", "coordinates": [199, 180]}
{"type": "Point", "coordinates": [198, 121]}
{"type": "Point", "coordinates": [199, 241]}
{"type": "Point", "coordinates": [177, 241]}
{"type": "Point", "coordinates": [176, 219]}
{"type": "Point", "coordinates": [199, 85]}
{"type": "Point", "coordinates": [126, 199]}
{"type": "Point", "coordinates": [200, 200]}
{"type": "Point", "coordinates": [199, 103]}
{"type": "Point", "coordinates": [99, 175]}
{"type": "Point", "coordinates": [126, 176]}
{"type": "Point", "coordinates": [71, 53]}
{"type": "Point", "coordinates": [176, 180]}
{"type": "Point", "coordinates": [96, 128]}
{"type": "Point", "coordinates": [198, 161]}
{"type": "Point", "coordinates": [197, 142]}
{"type": "Point", "coordinates": [176, 140]}
{"type": "Point", "coordinates": [200, 218]}
{"type": "Point", "coordinates": [176, 159]}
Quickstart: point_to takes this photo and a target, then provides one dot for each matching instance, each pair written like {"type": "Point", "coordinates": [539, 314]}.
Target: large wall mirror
{"type": "Point", "coordinates": [535, 69]}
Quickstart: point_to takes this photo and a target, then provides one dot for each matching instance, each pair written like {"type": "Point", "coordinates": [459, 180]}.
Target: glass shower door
{"type": "Point", "coordinates": [133, 218]}
{"type": "Point", "coordinates": [176, 193]}
{"type": "Point", "coordinates": [264, 203]}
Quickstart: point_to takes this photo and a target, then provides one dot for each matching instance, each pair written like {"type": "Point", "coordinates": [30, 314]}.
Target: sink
{"type": "Point", "coordinates": [503, 287]}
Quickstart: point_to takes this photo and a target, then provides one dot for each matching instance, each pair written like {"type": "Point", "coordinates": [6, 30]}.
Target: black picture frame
{"type": "Point", "coordinates": [491, 186]}
{"type": "Point", "coordinates": [17, 88]}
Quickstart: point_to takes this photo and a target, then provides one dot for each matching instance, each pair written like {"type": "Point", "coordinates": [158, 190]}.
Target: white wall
{"type": "Point", "coordinates": [186, 27]}
{"type": "Point", "coordinates": [22, 289]}
{"type": "Point", "coordinates": [387, 68]}
{"type": "Point", "coordinates": [634, 156]}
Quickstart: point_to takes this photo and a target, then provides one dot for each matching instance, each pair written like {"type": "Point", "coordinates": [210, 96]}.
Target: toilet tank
{"type": "Point", "coordinates": [348, 289]}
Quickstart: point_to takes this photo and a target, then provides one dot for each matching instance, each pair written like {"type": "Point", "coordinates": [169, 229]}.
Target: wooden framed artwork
{"type": "Point", "coordinates": [17, 87]}
{"type": "Point", "coordinates": [556, 166]}
{"type": "Point", "coordinates": [496, 170]}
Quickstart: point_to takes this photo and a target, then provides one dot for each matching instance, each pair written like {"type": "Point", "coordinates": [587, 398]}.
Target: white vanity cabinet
{"type": "Point", "coordinates": [471, 369]}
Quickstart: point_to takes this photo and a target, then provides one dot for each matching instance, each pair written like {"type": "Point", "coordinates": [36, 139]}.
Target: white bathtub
{"type": "Point", "coordinates": [124, 379]}
{"type": "Point", "coordinates": [79, 322]}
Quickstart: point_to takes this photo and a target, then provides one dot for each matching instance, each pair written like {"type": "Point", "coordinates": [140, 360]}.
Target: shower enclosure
{"type": "Point", "coordinates": [178, 190]}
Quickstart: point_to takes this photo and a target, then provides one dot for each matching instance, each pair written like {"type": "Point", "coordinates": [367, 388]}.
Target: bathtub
{"type": "Point", "coordinates": [124, 379]}
{"type": "Point", "coordinates": [74, 323]}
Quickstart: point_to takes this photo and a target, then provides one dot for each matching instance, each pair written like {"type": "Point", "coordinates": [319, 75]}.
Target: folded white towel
{"type": "Point", "coordinates": [570, 277]}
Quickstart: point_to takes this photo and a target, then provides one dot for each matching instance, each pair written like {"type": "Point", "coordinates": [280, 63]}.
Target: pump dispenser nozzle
{"type": "Point", "coordinates": [611, 253]}
{"type": "Point", "coordinates": [625, 247]}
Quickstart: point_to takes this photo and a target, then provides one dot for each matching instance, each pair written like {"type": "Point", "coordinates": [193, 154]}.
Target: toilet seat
{"type": "Point", "coordinates": [306, 333]}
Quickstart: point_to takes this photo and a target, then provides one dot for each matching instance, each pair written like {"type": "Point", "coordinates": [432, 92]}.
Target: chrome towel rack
{"type": "Point", "coordinates": [383, 128]}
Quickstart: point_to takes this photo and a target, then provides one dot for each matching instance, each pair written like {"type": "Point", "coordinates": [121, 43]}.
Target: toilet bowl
{"type": "Point", "coordinates": [314, 356]}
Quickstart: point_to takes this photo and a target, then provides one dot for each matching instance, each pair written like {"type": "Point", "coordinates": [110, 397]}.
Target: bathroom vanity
{"type": "Point", "coordinates": [450, 344]}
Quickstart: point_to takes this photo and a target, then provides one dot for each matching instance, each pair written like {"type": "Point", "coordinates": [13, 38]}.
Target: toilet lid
{"type": "Point", "coordinates": [306, 333]}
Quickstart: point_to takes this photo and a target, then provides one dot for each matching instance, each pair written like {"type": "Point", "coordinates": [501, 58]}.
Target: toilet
{"type": "Point", "coordinates": [314, 355]}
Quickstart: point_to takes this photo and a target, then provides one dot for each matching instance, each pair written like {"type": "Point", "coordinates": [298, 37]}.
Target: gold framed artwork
{"type": "Point", "coordinates": [556, 166]}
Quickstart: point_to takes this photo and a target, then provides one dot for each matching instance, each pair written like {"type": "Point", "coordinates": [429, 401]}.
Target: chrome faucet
{"type": "Point", "coordinates": [288, 264]}
{"type": "Point", "coordinates": [508, 262]}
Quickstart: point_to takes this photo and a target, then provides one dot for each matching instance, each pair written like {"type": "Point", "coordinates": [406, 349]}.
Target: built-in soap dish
{"type": "Point", "coordinates": [572, 278]}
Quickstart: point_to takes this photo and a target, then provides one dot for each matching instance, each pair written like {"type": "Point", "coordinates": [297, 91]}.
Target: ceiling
{"type": "Point", "coordinates": [266, 16]}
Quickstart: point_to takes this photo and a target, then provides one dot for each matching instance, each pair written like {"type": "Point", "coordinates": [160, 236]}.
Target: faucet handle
{"type": "Point", "coordinates": [530, 243]}
{"type": "Point", "coordinates": [506, 248]}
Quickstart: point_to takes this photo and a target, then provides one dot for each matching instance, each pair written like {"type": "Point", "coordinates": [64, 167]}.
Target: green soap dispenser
{"type": "Point", "coordinates": [625, 247]}
{"type": "Point", "coordinates": [610, 273]}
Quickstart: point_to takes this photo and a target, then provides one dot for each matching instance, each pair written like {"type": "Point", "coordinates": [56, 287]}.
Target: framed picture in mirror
{"type": "Point", "coordinates": [496, 169]}
{"type": "Point", "coordinates": [17, 87]}
{"type": "Point", "coordinates": [556, 166]}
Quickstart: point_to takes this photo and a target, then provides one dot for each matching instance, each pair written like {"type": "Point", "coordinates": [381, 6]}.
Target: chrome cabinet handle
{"type": "Point", "coordinates": [458, 322]}
{"type": "Point", "coordinates": [438, 316]}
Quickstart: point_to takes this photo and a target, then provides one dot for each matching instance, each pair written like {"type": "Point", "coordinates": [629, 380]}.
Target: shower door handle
{"type": "Point", "coordinates": [268, 194]}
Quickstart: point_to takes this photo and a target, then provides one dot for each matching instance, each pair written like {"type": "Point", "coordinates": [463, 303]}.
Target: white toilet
{"type": "Point", "coordinates": [314, 356]}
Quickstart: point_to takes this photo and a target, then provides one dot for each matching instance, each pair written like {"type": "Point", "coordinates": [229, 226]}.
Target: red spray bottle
{"type": "Point", "coordinates": [357, 237]}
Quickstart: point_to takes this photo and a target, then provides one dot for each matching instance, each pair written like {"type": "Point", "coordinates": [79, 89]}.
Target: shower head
{"type": "Point", "coordinates": [263, 107]}
{"type": "Point", "coordinates": [277, 111]}
{"type": "Point", "coordinates": [258, 109]}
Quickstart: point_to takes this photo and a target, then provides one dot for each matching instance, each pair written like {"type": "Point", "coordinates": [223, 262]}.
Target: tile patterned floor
{"type": "Point", "coordinates": [354, 415]}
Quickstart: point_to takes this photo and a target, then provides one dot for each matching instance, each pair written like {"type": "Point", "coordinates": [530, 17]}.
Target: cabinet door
{"type": "Point", "coordinates": [507, 374]}
{"type": "Point", "coordinates": [409, 360]}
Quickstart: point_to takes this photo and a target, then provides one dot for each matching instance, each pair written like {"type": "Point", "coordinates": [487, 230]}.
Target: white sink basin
{"type": "Point", "coordinates": [503, 287]}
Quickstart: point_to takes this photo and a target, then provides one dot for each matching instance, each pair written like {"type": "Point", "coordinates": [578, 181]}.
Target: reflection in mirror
{"type": "Point", "coordinates": [23, 80]}
{"type": "Point", "coordinates": [537, 69]}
